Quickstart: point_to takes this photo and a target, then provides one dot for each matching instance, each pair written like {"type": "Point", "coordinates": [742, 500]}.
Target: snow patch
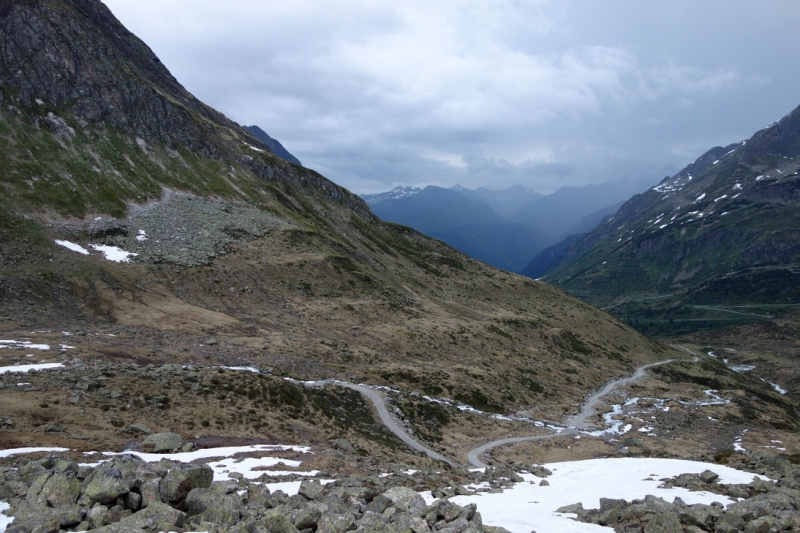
{"type": "Point", "coordinates": [28, 368]}
{"type": "Point", "coordinates": [113, 253]}
{"type": "Point", "coordinates": [72, 246]}
{"type": "Point", "coordinates": [525, 506]}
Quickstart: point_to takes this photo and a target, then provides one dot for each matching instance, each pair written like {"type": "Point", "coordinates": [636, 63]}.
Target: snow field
{"type": "Point", "coordinates": [527, 506]}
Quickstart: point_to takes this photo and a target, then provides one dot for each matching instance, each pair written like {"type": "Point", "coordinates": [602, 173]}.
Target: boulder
{"type": "Point", "coordinates": [61, 490]}
{"type": "Point", "coordinates": [162, 442]}
{"type": "Point", "coordinates": [335, 522]}
{"type": "Point", "coordinates": [310, 490]}
{"type": "Point", "coordinates": [106, 487]}
{"type": "Point", "coordinates": [405, 499]}
{"type": "Point", "coordinates": [276, 522]}
{"type": "Point", "coordinates": [156, 517]}
{"type": "Point", "coordinates": [140, 428]}
{"type": "Point", "coordinates": [708, 477]}
{"type": "Point", "coordinates": [182, 478]}
{"type": "Point", "coordinates": [664, 522]}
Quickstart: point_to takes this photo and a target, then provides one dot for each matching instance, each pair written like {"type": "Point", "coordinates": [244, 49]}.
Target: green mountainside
{"type": "Point", "coordinates": [718, 243]}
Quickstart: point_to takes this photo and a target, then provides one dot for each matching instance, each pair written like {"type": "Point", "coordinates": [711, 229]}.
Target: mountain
{"type": "Point", "coordinates": [505, 202]}
{"type": "Point", "coordinates": [716, 243]}
{"type": "Point", "coordinates": [470, 226]}
{"type": "Point", "coordinates": [189, 278]}
{"type": "Point", "coordinates": [395, 194]}
{"type": "Point", "coordinates": [557, 214]}
{"type": "Point", "coordinates": [274, 146]}
{"type": "Point", "coordinates": [503, 227]}
{"type": "Point", "coordinates": [435, 209]}
{"type": "Point", "coordinates": [550, 256]}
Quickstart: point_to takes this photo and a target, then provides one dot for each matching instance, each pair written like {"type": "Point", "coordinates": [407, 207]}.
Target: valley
{"type": "Point", "coordinates": [197, 333]}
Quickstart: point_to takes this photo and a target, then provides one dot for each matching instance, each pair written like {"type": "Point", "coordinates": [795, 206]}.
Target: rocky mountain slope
{"type": "Point", "coordinates": [717, 242]}
{"type": "Point", "coordinates": [156, 231]}
{"type": "Point", "coordinates": [274, 145]}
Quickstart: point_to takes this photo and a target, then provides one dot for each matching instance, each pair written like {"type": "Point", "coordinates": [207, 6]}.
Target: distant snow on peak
{"type": "Point", "coordinates": [395, 194]}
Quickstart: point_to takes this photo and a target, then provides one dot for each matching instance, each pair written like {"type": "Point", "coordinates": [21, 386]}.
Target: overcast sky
{"type": "Point", "coordinates": [375, 94]}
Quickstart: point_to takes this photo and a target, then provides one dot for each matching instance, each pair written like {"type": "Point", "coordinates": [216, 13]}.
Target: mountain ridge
{"type": "Point", "coordinates": [721, 231]}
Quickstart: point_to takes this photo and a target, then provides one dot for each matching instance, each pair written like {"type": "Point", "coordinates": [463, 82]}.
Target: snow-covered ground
{"type": "Point", "coordinates": [528, 506]}
{"type": "Point", "coordinates": [28, 368]}
{"type": "Point", "coordinates": [249, 467]}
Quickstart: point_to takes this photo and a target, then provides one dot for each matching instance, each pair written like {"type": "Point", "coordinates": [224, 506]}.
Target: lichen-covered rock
{"type": "Point", "coordinates": [61, 490]}
{"type": "Point", "coordinates": [182, 478]}
{"type": "Point", "coordinates": [276, 522]}
{"type": "Point", "coordinates": [310, 490]}
{"type": "Point", "coordinates": [106, 487]}
{"type": "Point", "coordinates": [405, 499]}
{"type": "Point", "coordinates": [156, 517]}
{"type": "Point", "coordinates": [336, 522]}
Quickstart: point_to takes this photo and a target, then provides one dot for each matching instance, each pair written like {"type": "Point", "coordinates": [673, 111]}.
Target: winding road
{"type": "Point", "coordinates": [574, 424]}
{"type": "Point", "coordinates": [391, 424]}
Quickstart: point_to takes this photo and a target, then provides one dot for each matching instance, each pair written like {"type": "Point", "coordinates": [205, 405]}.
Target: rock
{"type": "Point", "coordinates": [495, 529]}
{"type": "Point", "coordinates": [162, 442]}
{"type": "Point", "coordinates": [406, 499]}
{"type": "Point", "coordinates": [343, 445]}
{"type": "Point", "coordinates": [203, 500]}
{"type": "Point", "coordinates": [664, 522]}
{"type": "Point", "coordinates": [105, 488]}
{"type": "Point", "coordinates": [156, 517]}
{"type": "Point", "coordinates": [61, 490]}
{"type": "Point", "coordinates": [576, 508]}
{"type": "Point", "coordinates": [335, 522]}
{"type": "Point", "coordinates": [150, 492]}
{"type": "Point", "coordinates": [708, 477]}
{"type": "Point", "coordinates": [276, 522]}
{"type": "Point", "coordinates": [182, 478]}
{"type": "Point", "coordinates": [703, 516]}
{"type": "Point", "coordinates": [544, 483]}
{"type": "Point", "coordinates": [310, 490]}
{"type": "Point", "coordinates": [539, 471]}
{"type": "Point", "coordinates": [308, 516]}
{"type": "Point", "coordinates": [140, 428]}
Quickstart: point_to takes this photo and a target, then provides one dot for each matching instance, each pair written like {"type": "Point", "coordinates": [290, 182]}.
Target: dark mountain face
{"type": "Point", "coordinates": [722, 232]}
{"type": "Point", "coordinates": [274, 146]}
{"type": "Point", "coordinates": [549, 257]}
{"type": "Point", "coordinates": [237, 258]}
{"type": "Point", "coordinates": [468, 225]}
{"type": "Point", "coordinates": [435, 209]}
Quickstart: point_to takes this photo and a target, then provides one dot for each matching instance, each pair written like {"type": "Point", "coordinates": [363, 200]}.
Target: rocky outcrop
{"type": "Point", "coordinates": [54, 494]}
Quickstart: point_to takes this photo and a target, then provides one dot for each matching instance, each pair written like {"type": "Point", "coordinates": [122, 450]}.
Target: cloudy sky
{"type": "Point", "coordinates": [375, 94]}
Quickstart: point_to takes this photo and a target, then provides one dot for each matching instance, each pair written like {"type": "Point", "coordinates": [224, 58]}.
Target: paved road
{"type": "Point", "coordinates": [473, 456]}
{"type": "Point", "coordinates": [573, 424]}
{"type": "Point", "coordinates": [389, 421]}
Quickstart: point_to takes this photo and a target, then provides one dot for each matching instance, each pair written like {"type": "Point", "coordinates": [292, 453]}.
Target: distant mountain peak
{"type": "Point", "coordinates": [395, 194]}
{"type": "Point", "coordinates": [276, 147]}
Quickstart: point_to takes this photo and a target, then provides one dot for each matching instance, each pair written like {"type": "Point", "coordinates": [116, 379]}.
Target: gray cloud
{"type": "Point", "coordinates": [377, 94]}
